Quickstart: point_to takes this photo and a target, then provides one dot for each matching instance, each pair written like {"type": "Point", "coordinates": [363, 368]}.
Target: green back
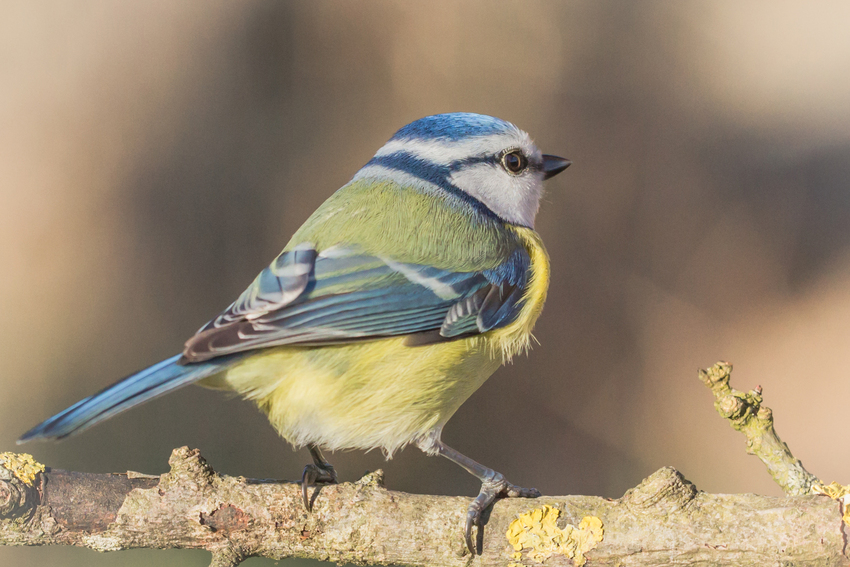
{"type": "Point", "coordinates": [408, 225]}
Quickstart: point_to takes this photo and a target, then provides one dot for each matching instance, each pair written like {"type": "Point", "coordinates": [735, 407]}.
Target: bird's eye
{"type": "Point", "coordinates": [514, 161]}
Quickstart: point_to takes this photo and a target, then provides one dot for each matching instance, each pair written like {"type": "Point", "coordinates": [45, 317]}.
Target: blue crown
{"type": "Point", "coordinates": [453, 126]}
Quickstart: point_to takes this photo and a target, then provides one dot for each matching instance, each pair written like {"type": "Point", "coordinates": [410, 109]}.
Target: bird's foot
{"type": "Point", "coordinates": [491, 489]}
{"type": "Point", "coordinates": [313, 475]}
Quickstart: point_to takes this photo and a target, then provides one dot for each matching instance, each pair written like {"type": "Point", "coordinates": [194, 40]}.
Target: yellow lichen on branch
{"type": "Point", "coordinates": [836, 492]}
{"type": "Point", "coordinates": [22, 465]}
{"type": "Point", "coordinates": [537, 532]}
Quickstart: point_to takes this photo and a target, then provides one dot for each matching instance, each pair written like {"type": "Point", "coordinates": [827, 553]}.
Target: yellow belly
{"type": "Point", "coordinates": [380, 393]}
{"type": "Point", "coordinates": [363, 395]}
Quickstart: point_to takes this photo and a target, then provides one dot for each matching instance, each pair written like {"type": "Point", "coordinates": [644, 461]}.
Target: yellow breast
{"type": "Point", "coordinates": [381, 393]}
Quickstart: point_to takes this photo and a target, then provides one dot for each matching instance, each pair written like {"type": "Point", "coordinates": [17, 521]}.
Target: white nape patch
{"type": "Point", "coordinates": [515, 198]}
{"type": "Point", "coordinates": [444, 152]}
{"type": "Point", "coordinates": [381, 173]}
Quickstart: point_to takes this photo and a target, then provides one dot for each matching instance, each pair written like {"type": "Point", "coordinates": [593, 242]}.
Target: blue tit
{"type": "Point", "coordinates": [388, 308]}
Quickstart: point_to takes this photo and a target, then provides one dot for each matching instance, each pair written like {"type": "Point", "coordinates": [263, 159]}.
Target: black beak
{"type": "Point", "coordinates": [553, 165]}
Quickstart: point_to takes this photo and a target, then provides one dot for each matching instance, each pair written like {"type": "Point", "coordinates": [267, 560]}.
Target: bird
{"type": "Point", "coordinates": [394, 302]}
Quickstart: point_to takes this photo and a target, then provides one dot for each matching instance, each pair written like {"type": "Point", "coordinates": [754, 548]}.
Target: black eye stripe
{"type": "Point", "coordinates": [498, 159]}
{"type": "Point", "coordinates": [462, 163]}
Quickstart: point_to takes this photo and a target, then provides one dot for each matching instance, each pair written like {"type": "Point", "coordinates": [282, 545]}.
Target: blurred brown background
{"type": "Point", "coordinates": [155, 156]}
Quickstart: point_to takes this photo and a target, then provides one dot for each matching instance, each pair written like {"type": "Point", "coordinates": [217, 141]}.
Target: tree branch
{"type": "Point", "coordinates": [663, 521]}
{"type": "Point", "coordinates": [746, 414]}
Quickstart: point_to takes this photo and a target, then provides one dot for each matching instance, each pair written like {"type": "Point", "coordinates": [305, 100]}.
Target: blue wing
{"type": "Point", "coordinates": [309, 298]}
{"type": "Point", "coordinates": [342, 295]}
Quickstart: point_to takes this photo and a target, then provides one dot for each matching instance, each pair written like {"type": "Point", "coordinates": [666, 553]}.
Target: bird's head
{"type": "Point", "coordinates": [485, 161]}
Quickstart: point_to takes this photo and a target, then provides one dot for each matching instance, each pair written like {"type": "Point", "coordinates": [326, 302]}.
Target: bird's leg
{"type": "Point", "coordinates": [320, 471]}
{"type": "Point", "coordinates": [493, 485]}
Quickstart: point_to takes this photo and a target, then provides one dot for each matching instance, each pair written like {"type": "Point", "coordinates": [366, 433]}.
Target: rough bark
{"type": "Point", "coordinates": [663, 521]}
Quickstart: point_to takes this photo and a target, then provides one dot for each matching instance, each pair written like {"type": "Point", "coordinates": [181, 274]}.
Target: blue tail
{"type": "Point", "coordinates": [150, 383]}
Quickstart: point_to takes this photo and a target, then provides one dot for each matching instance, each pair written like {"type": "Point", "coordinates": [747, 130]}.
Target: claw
{"type": "Point", "coordinates": [312, 476]}
{"type": "Point", "coordinates": [473, 518]}
{"type": "Point", "coordinates": [468, 533]}
{"type": "Point", "coordinates": [308, 479]}
{"type": "Point", "coordinates": [320, 472]}
{"type": "Point", "coordinates": [491, 489]}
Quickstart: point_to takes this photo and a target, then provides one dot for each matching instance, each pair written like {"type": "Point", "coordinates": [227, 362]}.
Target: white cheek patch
{"type": "Point", "coordinates": [514, 198]}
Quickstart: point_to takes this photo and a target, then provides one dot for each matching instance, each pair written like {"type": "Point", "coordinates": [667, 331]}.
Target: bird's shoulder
{"type": "Point", "coordinates": [387, 219]}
